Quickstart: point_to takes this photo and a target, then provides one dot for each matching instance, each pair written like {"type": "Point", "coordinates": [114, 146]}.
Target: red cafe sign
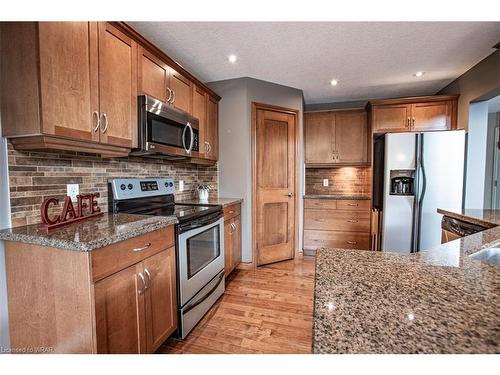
{"type": "Point", "coordinates": [85, 207]}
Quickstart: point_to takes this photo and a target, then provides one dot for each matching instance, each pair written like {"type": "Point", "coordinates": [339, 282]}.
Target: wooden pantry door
{"type": "Point", "coordinates": [274, 213]}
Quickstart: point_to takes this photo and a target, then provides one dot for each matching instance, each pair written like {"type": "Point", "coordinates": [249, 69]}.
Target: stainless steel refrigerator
{"type": "Point", "coordinates": [421, 173]}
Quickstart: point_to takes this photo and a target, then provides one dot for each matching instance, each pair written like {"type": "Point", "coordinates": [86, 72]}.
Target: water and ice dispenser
{"type": "Point", "coordinates": [402, 182]}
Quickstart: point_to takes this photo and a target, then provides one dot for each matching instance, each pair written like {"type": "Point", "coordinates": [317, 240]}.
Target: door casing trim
{"type": "Point", "coordinates": [255, 107]}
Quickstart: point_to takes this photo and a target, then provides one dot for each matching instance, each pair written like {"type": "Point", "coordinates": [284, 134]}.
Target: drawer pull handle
{"type": "Point", "coordinates": [142, 248]}
{"type": "Point", "coordinates": [231, 212]}
{"type": "Point", "coordinates": [351, 242]}
{"type": "Point", "coordinates": [352, 221]}
{"type": "Point", "coordinates": [352, 204]}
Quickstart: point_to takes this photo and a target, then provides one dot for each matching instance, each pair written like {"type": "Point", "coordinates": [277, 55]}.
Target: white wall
{"type": "Point", "coordinates": [491, 144]}
{"type": "Point", "coordinates": [235, 164]}
{"type": "Point", "coordinates": [4, 222]}
{"type": "Point", "coordinates": [476, 155]}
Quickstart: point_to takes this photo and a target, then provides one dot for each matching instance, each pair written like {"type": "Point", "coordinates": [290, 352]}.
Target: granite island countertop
{"type": "Point", "coordinates": [224, 202]}
{"type": "Point", "coordinates": [338, 196]}
{"type": "Point", "coordinates": [486, 218]}
{"type": "Point", "coordinates": [90, 234]}
{"type": "Point", "coordinates": [435, 301]}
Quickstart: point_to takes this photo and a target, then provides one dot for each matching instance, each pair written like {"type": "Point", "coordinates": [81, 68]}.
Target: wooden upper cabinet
{"type": "Point", "coordinates": [120, 312]}
{"type": "Point", "coordinates": [160, 298]}
{"type": "Point", "coordinates": [153, 75]}
{"type": "Point", "coordinates": [351, 137]}
{"type": "Point", "coordinates": [181, 91]}
{"type": "Point", "coordinates": [200, 112]}
{"type": "Point", "coordinates": [425, 113]}
{"type": "Point", "coordinates": [431, 116]}
{"type": "Point", "coordinates": [67, 79]}
{"type": "Point", "coordinates": [336, 137]}
{"type": "Point", "coordinates": [212, 129]}
{"type": "Point", "coordinates": [391, 118]}
{"type": "Point", "coordinates": [117, 87]}
{"type": "Point", "coordinates": [319, 137]}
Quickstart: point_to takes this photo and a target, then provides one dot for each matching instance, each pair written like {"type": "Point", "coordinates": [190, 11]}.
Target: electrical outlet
{"type": "Point", "coordinates": [181, 185]}
{"type": "Point", "coordinates": [72, 191]}
{"type": "Point", "coordinates": [325, 182]}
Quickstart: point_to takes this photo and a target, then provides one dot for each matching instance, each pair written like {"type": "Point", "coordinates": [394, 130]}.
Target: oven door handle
{"type": "Point", "coordinates": [194, 304]}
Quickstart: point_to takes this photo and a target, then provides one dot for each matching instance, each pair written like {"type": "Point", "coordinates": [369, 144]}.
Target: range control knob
{"type": "Point", "coordinates": [123, 187]}
{"type": "Point", "coordinates": [130, 186]}
{"type": "Point", "coordinates": [171, 184]}
{"type": "Point", "coordinates": [166, 184]}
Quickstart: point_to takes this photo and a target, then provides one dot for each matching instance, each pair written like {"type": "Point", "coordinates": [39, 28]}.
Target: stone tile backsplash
{"type": "Point", "coordinates": [341, 180]}
{"type": "Point", "coordinates": [34, 176]}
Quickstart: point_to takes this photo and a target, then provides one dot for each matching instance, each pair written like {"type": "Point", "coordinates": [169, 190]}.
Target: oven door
{"type": "Point", "coordinates": [201, 257]}
{"type": "Point", "coordinates": [166, 130]}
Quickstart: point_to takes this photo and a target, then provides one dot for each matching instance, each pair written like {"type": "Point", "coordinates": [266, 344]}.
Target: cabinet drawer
{"type": "Point", "coordinates": [337, 220]}
{"type": "Point", "coordinates": [232, 211]}
{"type": "Point", "coordinates": [315, 239]}
{"type": "Point", "coordinates": [322, 204]}
{"type": "Point", "coordinates": [353, 205]}
{"type": "Point", "coordinates": [113, 258]}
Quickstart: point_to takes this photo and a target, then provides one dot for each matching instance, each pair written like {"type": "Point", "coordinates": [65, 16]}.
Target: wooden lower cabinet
{"type": "Point", "coordinates": [232, 238]}
{"type": "Point", "coordinates": [81, 302]}
{"type": "Point", "coordinates": [329, 223]}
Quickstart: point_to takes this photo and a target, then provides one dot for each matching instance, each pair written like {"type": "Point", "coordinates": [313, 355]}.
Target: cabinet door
{"type": "Point", "coordinates": [228, 246]}
{"type": "Point", "coordinates": [160, 297]}
{"type": "Point", "coordinates": [67, 50]}
{"type": "Point", "coordinates": [391, 118]}
{"type": "Point", "coordinates": [153, 75]}
{"type": "Point", "coordinates": [117, 87]}
{"type": "Point", "coordinates": [119, 312]}
{"type": "Point", "coordinates": [351, 139]}
{"type": "Point", "coordinates": [319, 137]}
{"type": "Point", "coordinates": [236, 242]}
{"type": "Point", "coordinates": [431, 116]}
{"type": "Point", "coordinates": [200, 112]}
{"type": "Point", "coordinates": [181, 89]}
{"type": "Point", "coordinates": [212, 129]}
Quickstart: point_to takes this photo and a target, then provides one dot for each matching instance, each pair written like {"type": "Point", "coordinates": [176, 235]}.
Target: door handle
{"type": "Point", "coordinates": [413, 121]}
{"type": "Point", "coordinates": [289, 195]}
{"type": "Point", "coordinates": [173, 97]}
{"type": "Point", "coordinates": [192, 137]}
{"type": "Point", "coordinates": [408, 122]}
{"type": "Point", "coordinates": [105, 121]}
{"type": "Point", "coordinates": [146, 271]}
{"type": "Point", "coordinates": [169, 94]}
{"type": "Point", "coordinates": [98, 121]}
{"type": "Point", "coordinates": [141, 276]}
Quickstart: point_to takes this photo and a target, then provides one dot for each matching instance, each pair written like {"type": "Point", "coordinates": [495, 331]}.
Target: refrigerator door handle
{"type": "Point", "coordinates": [416, 199]}
{"type": "Point", "coordinates": [421, 194]}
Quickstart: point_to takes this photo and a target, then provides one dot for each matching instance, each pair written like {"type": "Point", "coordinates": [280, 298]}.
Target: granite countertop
{"type": "Point", "coordinates": [224, 202]}
{"type": "Point", "coordinates": [486, 218]}
{"type": "Point", "coordinates": [435, 301]}
{"type": "Point", "coordinates": [337, 196]}
{"type": "Point", "coordinates": [90, 234]}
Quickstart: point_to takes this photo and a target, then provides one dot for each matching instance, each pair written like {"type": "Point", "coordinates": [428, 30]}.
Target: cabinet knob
{"type": "Point", "coordinates": [105, 121]}
{"type": "Point", "coordinates": [169, 94]}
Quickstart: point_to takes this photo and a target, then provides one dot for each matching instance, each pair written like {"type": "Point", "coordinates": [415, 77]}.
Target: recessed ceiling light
{"type": "Point", "coordinates": [334, 82]}
{"type": "Point", "coordinates": [419, 74]}
{"type": "Point", "coordinates": [232, 58]}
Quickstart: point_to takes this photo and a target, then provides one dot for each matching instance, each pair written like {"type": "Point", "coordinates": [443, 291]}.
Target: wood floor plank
{"type": "Point", "coordinates": [268, 310]}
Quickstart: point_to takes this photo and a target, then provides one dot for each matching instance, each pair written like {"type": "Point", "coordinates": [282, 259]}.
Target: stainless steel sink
{"type": "Point", "coordinates": [491, 256]}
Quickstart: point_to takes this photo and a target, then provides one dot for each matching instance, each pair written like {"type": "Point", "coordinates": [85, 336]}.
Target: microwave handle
{"type": "Point", "coordinates": [192, 138]}
{"type": "Point", "coordinates": [184, 139]}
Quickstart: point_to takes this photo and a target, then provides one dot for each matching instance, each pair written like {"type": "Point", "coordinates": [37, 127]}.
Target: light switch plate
{"type": "Point", "coordinates": [72, 191]}
{"type": "Point", "coordinates": [181, 185]}
{"type": "Point", "coordinates": [325, 182]}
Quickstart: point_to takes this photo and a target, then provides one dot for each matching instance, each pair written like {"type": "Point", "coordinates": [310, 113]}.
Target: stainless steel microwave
{"type": "Point", "coordinates": [166, 131]}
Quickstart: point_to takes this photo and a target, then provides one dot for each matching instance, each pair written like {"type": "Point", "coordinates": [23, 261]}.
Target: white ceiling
{"type": "Point", "coordinates": [370, 59]}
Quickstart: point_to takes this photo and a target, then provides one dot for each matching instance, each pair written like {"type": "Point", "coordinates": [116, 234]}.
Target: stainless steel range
{"type": "Point", "coordinates": [199, 242]}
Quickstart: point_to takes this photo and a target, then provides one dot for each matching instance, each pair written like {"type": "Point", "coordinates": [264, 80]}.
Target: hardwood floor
{"type": "Point", "coordinates": [268, 310]}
